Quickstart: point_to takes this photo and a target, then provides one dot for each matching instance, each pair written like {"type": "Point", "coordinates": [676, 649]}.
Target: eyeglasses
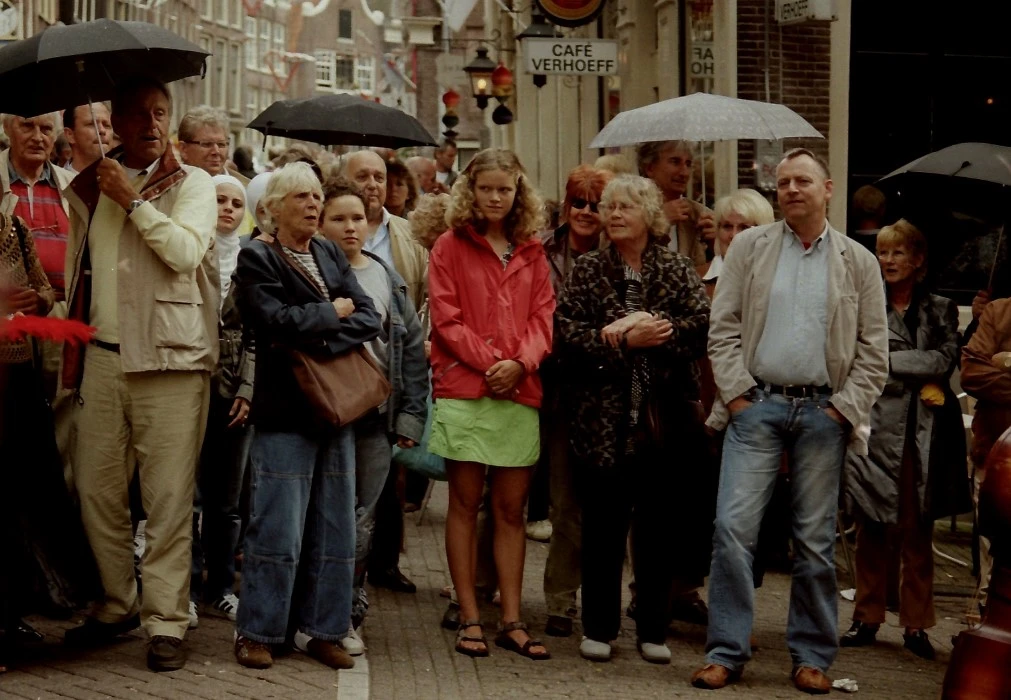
{"type": "Point", "coordinates": [580, 203]}
{"type": "Point", "coordinates": [208, 145]}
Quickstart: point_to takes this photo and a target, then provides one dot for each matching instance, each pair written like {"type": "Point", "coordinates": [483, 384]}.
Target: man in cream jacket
{"type": "Point", "coordinates": [799, 346]}
{"type": "Point", "coordinates": [139, 271]}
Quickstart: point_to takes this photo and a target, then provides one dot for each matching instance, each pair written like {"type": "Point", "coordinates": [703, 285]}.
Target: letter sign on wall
{"type": "Point", "coordinates": [571, 56]}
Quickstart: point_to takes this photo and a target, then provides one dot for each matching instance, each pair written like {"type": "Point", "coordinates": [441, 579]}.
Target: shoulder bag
{"type": "Point", "coordinates": [342, 388]}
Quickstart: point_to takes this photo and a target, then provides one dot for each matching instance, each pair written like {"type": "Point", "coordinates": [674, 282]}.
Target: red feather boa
{"type": "Point", "coordinates": [45, 328]}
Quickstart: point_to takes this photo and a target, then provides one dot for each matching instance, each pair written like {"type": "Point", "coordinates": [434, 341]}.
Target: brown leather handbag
{"type": "Point", "coordinates": [342, 388]}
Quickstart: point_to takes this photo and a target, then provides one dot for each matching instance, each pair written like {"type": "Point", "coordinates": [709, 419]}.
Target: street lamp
{"type": "Point", "coordinates": [480, 70]}
{"type": "Point", "coordinates": [539, 28]}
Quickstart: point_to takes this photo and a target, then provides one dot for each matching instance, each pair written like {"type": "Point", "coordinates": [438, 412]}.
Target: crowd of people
{"type": "Point", "coordinates": [646, 365]}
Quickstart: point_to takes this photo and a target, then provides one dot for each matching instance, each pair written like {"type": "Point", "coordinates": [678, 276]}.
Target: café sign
{"type": "Point", "coordinates": [571, 56]}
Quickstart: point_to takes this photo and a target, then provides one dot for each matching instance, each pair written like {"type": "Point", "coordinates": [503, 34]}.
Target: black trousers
{"type": "Point", "coordinates": [388, 536]}
{"type": "Point", "coordinates": [634, 494]}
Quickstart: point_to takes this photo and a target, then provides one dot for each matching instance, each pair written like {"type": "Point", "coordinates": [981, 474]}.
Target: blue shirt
{"type": "Point", "coordinates": [792, 348]}
{"type": "Point", "coordinates": [379, 243]}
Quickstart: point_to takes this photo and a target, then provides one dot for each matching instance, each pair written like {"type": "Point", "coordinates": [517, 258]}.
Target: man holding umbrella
{"type": "Point", "coordinates": [141, 226]}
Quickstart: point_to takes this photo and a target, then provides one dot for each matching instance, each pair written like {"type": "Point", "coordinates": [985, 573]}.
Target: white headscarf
{"type": "Point", "coordinates": [254, 193]}
{"type": "Point", "coordinates": [227, 245]}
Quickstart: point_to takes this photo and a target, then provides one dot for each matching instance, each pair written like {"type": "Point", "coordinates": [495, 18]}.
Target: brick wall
{"type": "Point", "coordinates": [799, 58]}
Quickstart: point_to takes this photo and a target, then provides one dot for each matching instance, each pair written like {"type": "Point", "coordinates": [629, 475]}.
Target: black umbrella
{"type": "Point", "coordinates": [347, 120]}
{"type": "Point", "coordinates": [974, 161]}
{"type": "Point", "coordinates": [68, 65]}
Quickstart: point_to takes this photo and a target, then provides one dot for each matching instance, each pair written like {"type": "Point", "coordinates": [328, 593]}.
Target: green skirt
{"type": "Point", "coordinates": [489, 431]}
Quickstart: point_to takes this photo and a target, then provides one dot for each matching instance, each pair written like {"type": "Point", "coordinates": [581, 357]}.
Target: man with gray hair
{"type": "Point", "coordinates": [669, 165]}
{"type": "Point", "coordinates": [424, 173]}
{"type": "Point", "coordinates": [203, 139]}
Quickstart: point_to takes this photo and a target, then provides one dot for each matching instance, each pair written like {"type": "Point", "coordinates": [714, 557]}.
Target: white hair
{"type": "Point", "coordinates": [293, 177]}
{"type": "Point", "coordinates": [6, 120]}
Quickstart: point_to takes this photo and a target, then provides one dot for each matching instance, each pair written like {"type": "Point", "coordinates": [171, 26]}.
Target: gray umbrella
{"type": "Point", "coordinates": [704, 117]}
{"type": "Point", "coordinates": [975, 161]}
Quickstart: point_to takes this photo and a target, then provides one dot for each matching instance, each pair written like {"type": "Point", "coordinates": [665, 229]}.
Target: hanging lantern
{"type": "Point", "coordinates": [480, 70]}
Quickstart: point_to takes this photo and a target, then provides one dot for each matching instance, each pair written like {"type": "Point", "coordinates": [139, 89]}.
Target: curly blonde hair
{"type": "Point", "coordinates": [643, 192]}
{"type": "Point", "coordinates": [526, 218]}
{"type": "Point", "coordinates": [428, 220]}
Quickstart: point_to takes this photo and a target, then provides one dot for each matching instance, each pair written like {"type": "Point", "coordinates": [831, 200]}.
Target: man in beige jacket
{"type": "Point", "coordinates": [799, 346]}
{"type": "Point", "coordinates": [140, 273]}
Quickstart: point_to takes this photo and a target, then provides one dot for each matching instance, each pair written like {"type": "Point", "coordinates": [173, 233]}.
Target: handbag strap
{"type": "Point", "coordinates": [300, 269]}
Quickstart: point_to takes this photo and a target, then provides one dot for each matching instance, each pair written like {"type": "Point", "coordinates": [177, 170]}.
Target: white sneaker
{"type": "Point", "coordinates": [353, 643]}
{"type": "Point", "coordinates": [593, 650]}
{"type": "Point", "coordinates": [539, 531]}
{"type": "Point", "coordinates": [654, 653]}
{"type": "Point", "coordinates": [225, 606]}
{"type": "Point", "coordinates": [194, 619]}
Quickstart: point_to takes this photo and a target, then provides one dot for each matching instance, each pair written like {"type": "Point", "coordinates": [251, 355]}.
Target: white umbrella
{"type": "Point", "coordinates": [704, 117]}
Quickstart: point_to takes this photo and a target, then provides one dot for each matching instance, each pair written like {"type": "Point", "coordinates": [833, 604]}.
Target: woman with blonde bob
{"type": "Point", "coordinates": [914, 472]}
{"type": "Point", "coordinates": [733, 213]}
{"type": "Point", "coordinates": [491, 309]}
{"type": "Point", "coordinates": [633, 320]}
{"type": "Point", "coordinates": [298, 292]}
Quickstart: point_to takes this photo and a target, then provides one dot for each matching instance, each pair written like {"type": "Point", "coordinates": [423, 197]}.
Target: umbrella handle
{"type": "Point", "coordinates": [91, 109]}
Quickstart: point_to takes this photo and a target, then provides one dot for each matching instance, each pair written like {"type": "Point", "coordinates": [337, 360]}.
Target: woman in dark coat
{"type": "Point", "coordinates": [47, 564]}
{"type": "Point", "coordinates": [633, 320]}
{"type": "Point", "coordinates": [916, 466]}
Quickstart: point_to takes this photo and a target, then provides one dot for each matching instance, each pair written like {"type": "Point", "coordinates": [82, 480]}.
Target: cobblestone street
{"type": "Point", "coordinates": [410, 656]}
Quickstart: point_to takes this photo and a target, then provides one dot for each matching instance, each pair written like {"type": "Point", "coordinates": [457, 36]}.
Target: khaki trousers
{"type": "Point", "coordinates": [910, 541]}
{"type": "Point", "coordinates": [152, 422]}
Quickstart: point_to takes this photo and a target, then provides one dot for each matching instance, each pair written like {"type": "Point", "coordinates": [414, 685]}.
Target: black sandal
{"type": "Point", "coordinates": [509, 644]}
{"type": "Point", "coordinates": [462, 637]}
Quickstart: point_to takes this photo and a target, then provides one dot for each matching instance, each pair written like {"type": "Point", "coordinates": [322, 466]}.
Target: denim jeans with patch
{"type": "Point", "coordinates": [815, 445]}
{"type": "Point", "coordinates": [301, 523]}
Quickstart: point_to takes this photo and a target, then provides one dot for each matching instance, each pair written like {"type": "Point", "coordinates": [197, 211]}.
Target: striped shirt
{"type": "Point", "coordinates": [40, 206]}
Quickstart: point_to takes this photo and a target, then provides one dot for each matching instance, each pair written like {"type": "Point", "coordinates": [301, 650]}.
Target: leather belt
{"type": "Point", "coordinates": [111, 347]}
{"type": "Point", "coordinates": [795, 391]}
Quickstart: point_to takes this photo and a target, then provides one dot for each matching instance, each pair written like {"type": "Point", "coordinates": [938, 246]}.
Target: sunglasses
{"type": "Point", "coordinates": [580, 203]}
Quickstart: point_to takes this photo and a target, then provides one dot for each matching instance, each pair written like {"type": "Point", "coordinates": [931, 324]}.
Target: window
{"type": "Point", "coordinates": [252, 59]}
{"type": "Point", "coordinates": [235, 77]}
{"type": "Point", "coordinates": [253, 104]}
{"type": "Point", "coordinates": [324, 69]}
{"type": "Point", "coordinates": [205, 44]}
{"type": "Point", "coordinates": [365, 71]}
{"type": "Point", "coordinates": [280, 66]}
{"type": "Point", "coordinates": [238, 13]}
{"type": "Point", "coordinates": [207, 9]}
{"type": "Point", "coordinates": [344, 73]}
{"type": "Point", "coordinates": [344, 25]}
{"type": "Point", "coordinates": [222, 17]}
{"type": "Point", "coordinates": [221, 74]}
{"type": "Point", "coordinates": [264, 43]}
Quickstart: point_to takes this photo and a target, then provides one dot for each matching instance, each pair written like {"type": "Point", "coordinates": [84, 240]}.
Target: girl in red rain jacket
{"type": "Point", "coordinates": [491, 305]}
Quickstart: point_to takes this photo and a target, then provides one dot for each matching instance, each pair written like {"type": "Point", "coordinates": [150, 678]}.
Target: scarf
{"type": "Point", "coordinates": [228, 256]}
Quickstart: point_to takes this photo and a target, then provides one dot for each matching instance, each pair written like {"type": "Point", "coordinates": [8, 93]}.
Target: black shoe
{"type": "Point", "coordinates": [451, 618]}
{"type": "Point", "coordinates": [94, 633]}
{"type": "Point", "coordinates": [693, 611]}
{"type": "Point", "coordinates": [394, 580]}
{"type": "Point", "coordinates": [165, 654]}
{"type": "Point", "coordinates": [919, 644]}
{"type": "Point", "coordinates": [558, 626]}
{"type": "Point", "coordinates": [859, 635]}
{"type": "Point", "coordinates": [21, 634]}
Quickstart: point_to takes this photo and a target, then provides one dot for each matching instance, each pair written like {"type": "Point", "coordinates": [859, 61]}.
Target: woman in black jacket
{"type": "Point", "coordinates": [302, 468]}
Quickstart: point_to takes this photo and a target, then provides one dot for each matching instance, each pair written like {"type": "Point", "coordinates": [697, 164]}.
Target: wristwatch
{"type": "Point", "coordinates": [133, 205]}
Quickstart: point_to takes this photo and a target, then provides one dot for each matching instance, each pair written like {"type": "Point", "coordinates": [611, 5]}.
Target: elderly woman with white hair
{"type": "Point", "coordinates": [298, 292]}
{"type": "Point", "coordinates": [733, 213]}
{"type": "Point", "coordinates": [633, 320]}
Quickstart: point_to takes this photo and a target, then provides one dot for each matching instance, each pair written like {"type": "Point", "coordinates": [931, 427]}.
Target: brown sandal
{"type": "Point", "coordinates": [462, 637]}
{"type": "Point", "coordinates": [509, 644]}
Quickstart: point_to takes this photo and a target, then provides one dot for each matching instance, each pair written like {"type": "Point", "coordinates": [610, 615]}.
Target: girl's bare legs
{"type": "Point", "coordinates": [466, 485]}
{"type": "Point", "coordinates": [509, 487]}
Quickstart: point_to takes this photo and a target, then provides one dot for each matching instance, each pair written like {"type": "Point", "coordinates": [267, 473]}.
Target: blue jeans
{"type": "Point", "coordinates": [815, 445]}
{"type": "Point", "coordinates": [223, 459]}
{"type": "Point", "coordinates": [301, 522]}
{"type": "Point", "coordinates": [373, 455]}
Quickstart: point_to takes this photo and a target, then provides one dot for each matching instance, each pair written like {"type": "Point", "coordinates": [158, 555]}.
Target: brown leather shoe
{"type": "Point", "coordinates": [714, 677]}
{"type": "Point", "coordinates": [253, 654]}
{"type": "Point", "coordinates": [330, 653]}
{"type": "Point", "coordinates": [811, 680]}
